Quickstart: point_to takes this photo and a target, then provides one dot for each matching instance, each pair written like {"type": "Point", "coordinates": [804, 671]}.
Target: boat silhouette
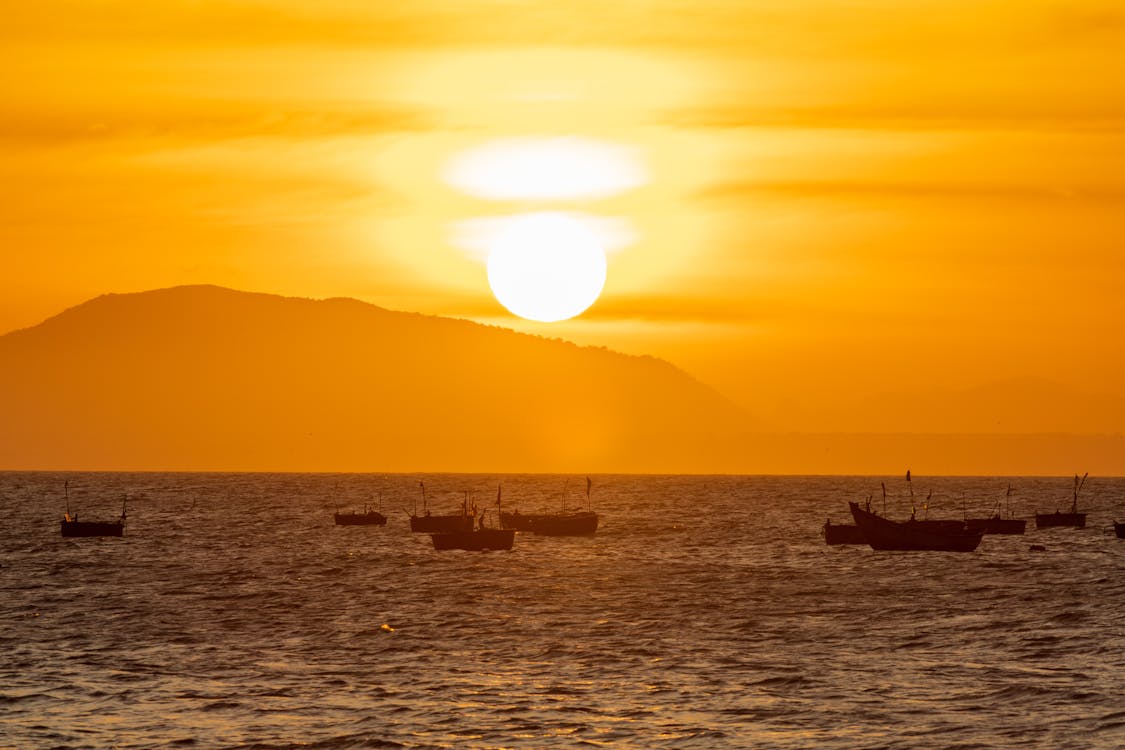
{"type": "Point", "coordinates": [884, 534]}
{"type": "Point", "coordinates": [429, 523]}
{"type": "Point", "coordinates": [842, 533]}
{"type": "Point", "coordinates": [366, 518]}
{"type": "Point", "coordinates": [1119, 529]}
{"type": "Point", "coordinates": [72, 527]}
{"type": "Point", "coordinates": [480, 539]}
{"type": "Point", "coordinates": [563, 523]}
{"type": "Point", "coordinates": [1072, 518]}
{"type": "Point", "coordinates": [996, 523]}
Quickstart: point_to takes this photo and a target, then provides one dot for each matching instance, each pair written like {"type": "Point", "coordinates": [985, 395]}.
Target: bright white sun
{"type": "Point", "coordinates": [546, 266]}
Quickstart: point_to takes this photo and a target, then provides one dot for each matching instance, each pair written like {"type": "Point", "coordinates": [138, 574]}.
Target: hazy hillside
{"type": "Point", "coordinates": [1013, 406]}
{"type": "Point", "coordinates": [208, 378]}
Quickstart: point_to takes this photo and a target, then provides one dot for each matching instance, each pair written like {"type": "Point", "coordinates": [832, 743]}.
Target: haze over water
{"type": "Point", "coordinates": [706, 612]}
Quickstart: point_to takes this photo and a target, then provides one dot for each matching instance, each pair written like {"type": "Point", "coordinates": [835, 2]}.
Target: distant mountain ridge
{"type": "Point", "coordinates": [208, 378]}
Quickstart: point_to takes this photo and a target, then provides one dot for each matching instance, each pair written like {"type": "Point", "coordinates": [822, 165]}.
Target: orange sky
{"type": "Point", "coordinates": [836, 206]}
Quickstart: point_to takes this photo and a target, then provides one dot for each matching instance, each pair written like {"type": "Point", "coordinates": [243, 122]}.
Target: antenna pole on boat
{"type": "Point", "coordinates": [884, 498]}
{"type": "Point", "coordinates": [66, 491]}
{"type": "Point", "coordinates": [589, 506]}
{"type": "Point", "coordinates": [910, 485]}
{"type": "Point", "coordinates": [1078, 488]}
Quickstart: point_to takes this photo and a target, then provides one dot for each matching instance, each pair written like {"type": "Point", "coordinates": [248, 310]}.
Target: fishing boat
{"type": "Point", "coordinates": [1071, 518]}
{"type": "Point", "coordinates": [366, 518]}
{"type": "Point", "coordinates": [842, 533]}
{"type": "Point", "coordinates": [72, 527]}
{"type": "Point", "coordinates": [563, 523]}
{"type": "Point", "coordinates": [939, 525]}
{"type": "Point", "coordinates": [884, 534]}
{"type": "Point", "coordinates": [996, 523]}
{"type": "Point", "coordinates": [431, 524]}
{"type": "Point", "coordinates": [480, 539]}
{"type": "Point", "coordinates": [1119, 529]}
{"type": "Point", "coordinates": [578, 523]}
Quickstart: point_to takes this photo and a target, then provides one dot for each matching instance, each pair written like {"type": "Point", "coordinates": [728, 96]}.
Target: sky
{"type": "Point", "coordinates": [844, 216]}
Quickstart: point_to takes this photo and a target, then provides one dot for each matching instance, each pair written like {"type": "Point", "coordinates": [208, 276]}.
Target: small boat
{"type": "Point", "coordinates": [579, 523]}
{"type": "Point", "coordinates": [996, 523]}
{"type": "Point", "coordinates": [430, 524]}
{"type": "Point", "coordinates": [1119, 529]}
{"type": "Point", "coordinates": [842, 533]}
{"type": "Point", "coordinates": [884, 534]}
{"type": "Point", "coordinates": [72, 527]}
{"type": "Point", "coordinates": [940, 525]}
{"type": "Point", "coordinates": [1071, 518]}
{"type": "Point", "coordinates": [480, 539]}
{"type": "Point", "coordinates": [563, 523]}
{"type": "Point", "coordinates": [366, 518]}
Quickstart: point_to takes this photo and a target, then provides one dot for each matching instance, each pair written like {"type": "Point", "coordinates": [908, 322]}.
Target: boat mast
{"type": "Point", "coordinates": [1077, 488]}
{"type": "Point", "coordinates": [911, 486]}
{"type": "Point", "coordinates": [589, 507]}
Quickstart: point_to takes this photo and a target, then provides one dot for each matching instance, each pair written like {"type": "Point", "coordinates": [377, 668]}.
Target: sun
{"type": "Point", "coordinates": [546, 266]}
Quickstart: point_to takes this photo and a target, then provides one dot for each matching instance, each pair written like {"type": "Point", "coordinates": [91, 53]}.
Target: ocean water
{"type": "Point", "coordinates": [706, 613]}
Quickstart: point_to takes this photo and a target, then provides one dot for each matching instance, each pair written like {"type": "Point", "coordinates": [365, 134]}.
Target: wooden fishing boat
{"type": "Point", "coordinates": [996, 523]}
{"type": "Point", "coordinates": [72, 527]}
{"type": "Point", "coordinates": [479, 539]}
{"type": "Point", "coordinates": [366, 518]}
{"type": "Point", "coordinates": [842, 533]}
{"type": "Point", "coordinates": [579, 523]}
{"type": "Point", "coordinates": [938, 525]}
{"type": "Point", "coordinates": [563, 523]}
{"type": "Point", "coordinates": [884, 534]}
{"type": "Point", "coordinates": [442, 524]}
{"type": "Point", "coordinates": [1072, 518]}
{"type": "Point", "coordinates": [1119, 529]}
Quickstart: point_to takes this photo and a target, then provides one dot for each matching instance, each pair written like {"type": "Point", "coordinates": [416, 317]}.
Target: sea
{"type": "Point", "coordinates": [707, 612]}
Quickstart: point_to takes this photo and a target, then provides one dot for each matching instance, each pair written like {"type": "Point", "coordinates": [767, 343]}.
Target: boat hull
{"type": "Point", "coordinates": [997, 525]}
{"type": "Point", "coordinates": [843, 533]}
{"type": "Point", "coordinates": [478, 540]}
{"type": "Point", "coordinates": [440, 524]}
{"type": "Point", "coordinates": [1119, 528]}
{"type": "Point", "coordinates": [884, 534]}
{"type": "Point", "coordinates": [566, 524]}
{"type": "Point", "coordinates": [582, 523]}
{"type": "Point", "coordinates": [92, 528]}
{"type": "Point", "coordinates": [360, 519]}
{"type": "Point", "coordinates": [1057, 519]}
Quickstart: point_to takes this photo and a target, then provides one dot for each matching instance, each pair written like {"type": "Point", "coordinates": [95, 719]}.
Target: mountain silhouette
{"type": "Point", "coordinates": [208, 378]}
